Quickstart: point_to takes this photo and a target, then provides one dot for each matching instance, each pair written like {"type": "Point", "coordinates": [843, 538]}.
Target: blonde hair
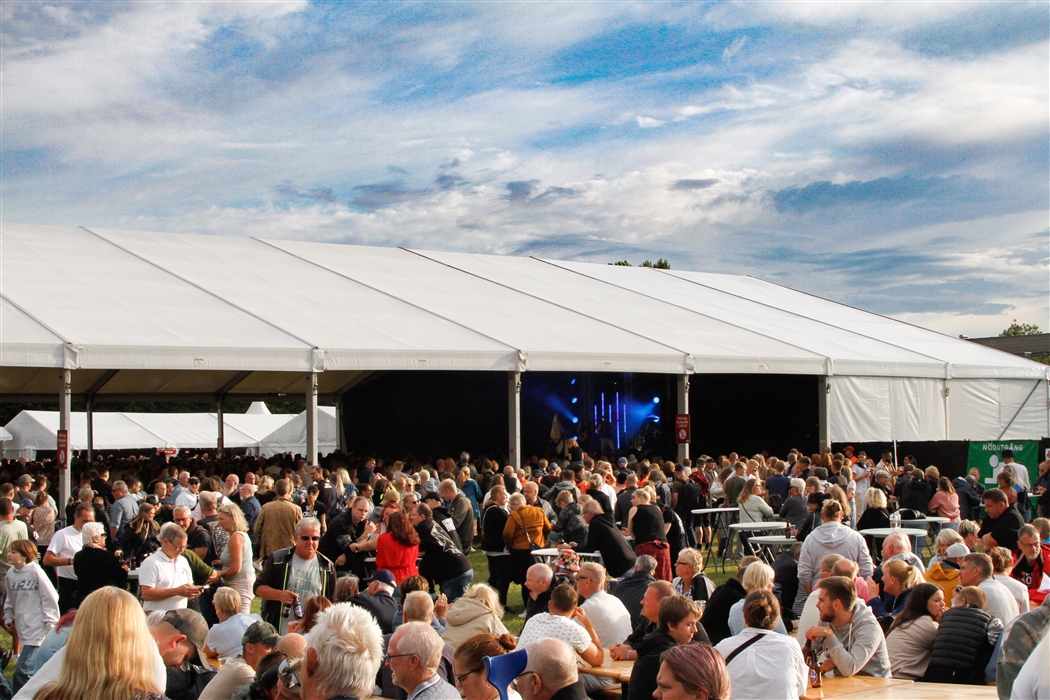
{"type": "Point", "coordinates": [876, 499]}
{"type": "Point", "coordinates": [747, 491]}
{"type": "Point", "coordinates": [757, 577]}
{"type": "Point", "coordinates": [236, 516]}
{"type": "Point", "coordinates": [109, 655]}
{"type": "Point", "coordinates": [227, 600]}
{"type": "Point", "coordinates": [487, 596]}
{"type": "Point", "coordinates": [909, 576]}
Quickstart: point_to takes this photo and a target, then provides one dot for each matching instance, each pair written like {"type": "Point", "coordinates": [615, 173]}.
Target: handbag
{"type": "Point", "coordinates": [532, 545]}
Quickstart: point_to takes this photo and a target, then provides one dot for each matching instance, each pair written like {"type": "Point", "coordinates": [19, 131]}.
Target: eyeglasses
{"type": "Point", "coordinates": [524, 673]}
{"type": "Point", "coordinates": [460, 677]}
{"type": "Point", "coordinates": [387, 657]}
{"type": "Point", "coordinates": [288, 676]}
{"type": "Point", "coordinates": [308, 538]}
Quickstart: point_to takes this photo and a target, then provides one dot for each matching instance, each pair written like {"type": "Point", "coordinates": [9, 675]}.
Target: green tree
{"type": "Point", "coordinates": [660, 264]}
{"type": "Point", "coordinates": [621, 263]}
{"type": "Point", "coordinates": [1020, 329]}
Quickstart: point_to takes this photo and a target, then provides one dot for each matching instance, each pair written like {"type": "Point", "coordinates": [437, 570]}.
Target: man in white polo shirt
{"type": "Point", "coordinates": [165, 579]}
{"type": "Point", "coordinates": [608, 616]}
{"type": "Point", "coordinates": [64, 545]}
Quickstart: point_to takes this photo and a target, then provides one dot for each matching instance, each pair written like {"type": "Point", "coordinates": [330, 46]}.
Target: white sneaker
{"type": "Point", "coordinates": [522, 615]}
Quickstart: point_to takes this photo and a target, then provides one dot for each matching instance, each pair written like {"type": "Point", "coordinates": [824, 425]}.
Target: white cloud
{"type": "Point", "coordinates": [734, 48]}
{"type": "Point", "coordinates": [647, 122]}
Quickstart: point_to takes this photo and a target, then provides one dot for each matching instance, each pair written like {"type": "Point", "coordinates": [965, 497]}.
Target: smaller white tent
{"type": "Point", "coordinates": [291, 437]}
{"type": "Point", "coordinates": [258, 408]}
{"type": "Point", "coordinates": [31, 431]}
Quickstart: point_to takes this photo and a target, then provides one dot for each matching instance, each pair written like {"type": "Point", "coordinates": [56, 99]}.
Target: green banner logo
{"type": "Point", "coordinates": [986, 457]}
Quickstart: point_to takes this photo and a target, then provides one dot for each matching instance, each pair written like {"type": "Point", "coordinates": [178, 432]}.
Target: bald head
{"type": "Point", "coordinates": [292, 644]}
{"type": "Point", "coordinates": [553, 663]}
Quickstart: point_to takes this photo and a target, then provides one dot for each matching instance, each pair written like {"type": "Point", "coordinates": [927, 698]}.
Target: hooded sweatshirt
{"type": "Point", "coordinates": [858, 648]}
{"type": "Point", "coordinates": [944, 576]}
{"type": "Point", "coordinates": [467, 617]}
{"type": "Point", "coordinates": [832, 538]}
{"type": "Point", "coordinates": [32, 603]}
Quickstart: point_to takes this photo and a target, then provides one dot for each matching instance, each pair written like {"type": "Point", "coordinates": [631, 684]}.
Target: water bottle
{"type": "Point", "coordinates": [895, 519]}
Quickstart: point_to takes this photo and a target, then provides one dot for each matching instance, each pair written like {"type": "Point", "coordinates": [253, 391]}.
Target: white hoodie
{"type": "Point", "coordinates": [32, 603]}
{"type": "Point", "coordinates": [832, 538]}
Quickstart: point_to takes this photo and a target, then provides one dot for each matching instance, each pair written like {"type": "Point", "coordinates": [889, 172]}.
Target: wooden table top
{"type": "Point", "coordinates": [835, 686]}
{"type": "Point", "coordinates": [620, 671]}
{"type": "Point", "coordinates": [926, 691]}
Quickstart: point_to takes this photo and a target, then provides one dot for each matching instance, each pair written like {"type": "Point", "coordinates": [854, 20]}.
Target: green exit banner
{"type": "Point", "coordinates": [987, 458]}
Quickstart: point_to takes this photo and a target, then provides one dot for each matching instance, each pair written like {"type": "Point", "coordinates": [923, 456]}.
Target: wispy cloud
{"type": "Point", "coordinates": [817, 144]}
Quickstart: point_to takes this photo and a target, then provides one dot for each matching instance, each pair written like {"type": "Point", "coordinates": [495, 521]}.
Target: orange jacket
{"type": "Point", "coordinates": [533, 519]}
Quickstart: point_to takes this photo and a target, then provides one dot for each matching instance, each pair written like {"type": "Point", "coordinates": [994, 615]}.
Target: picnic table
{"type": "Point", "coordinates": [924, 691]}
{"type": "Point", "coordinates": [836, 686]}
{"type": "Point", "coordinates": [619, 671]}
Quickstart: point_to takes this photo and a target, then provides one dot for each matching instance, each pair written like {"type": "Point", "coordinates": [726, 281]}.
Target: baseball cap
{"type": "Point", "coordinates": [383, 576]}
{"type": "Point", "coordinates": [622, 461]}
{"type": "Point", "coordinates": [24, 480]}
{"type": "Point", "coordinates": [26, 503]}
{"type": "Point", "coordinates": [190, 623]}
{"type": "Point", "coordinates": [260, 633]}
{"type": "Point", "coordinates": [957, 550]}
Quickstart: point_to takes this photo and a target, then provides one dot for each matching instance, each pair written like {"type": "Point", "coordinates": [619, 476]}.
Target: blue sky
{"type": "Point", "coordinates": [893, 156]}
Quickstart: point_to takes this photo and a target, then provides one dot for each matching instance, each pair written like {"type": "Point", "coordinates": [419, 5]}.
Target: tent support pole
{"type": "Point", "coordinates": [683, 410]}
{"type": "Point", "coordinates": [514, 419]}
{"type": "Point", "coordinates": [90, 410]}
{"type": "Point", "coordinates": [823, 429]}
{"type": "Point", "coordinates": [220, 443]}
{"type": "Point", "coordinates": [64, 419]}
{"type": "Point", "coordinates": [340, 437]}
{"type": "Point", "coordinates": [311, 418]}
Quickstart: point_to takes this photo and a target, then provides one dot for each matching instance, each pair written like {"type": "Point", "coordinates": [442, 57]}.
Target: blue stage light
{"type": "Point", "coordinates": [575, 420]}
{"type": "Point", "coordinates": [656, 399]}
{"type": "Point", "coordinates": [573, 381]}
{"type": "Point", "coordinates": [574, 399]}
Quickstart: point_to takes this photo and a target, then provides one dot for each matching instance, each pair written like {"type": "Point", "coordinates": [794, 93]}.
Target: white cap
{"type": "Point", "coordinates": [957, 550]}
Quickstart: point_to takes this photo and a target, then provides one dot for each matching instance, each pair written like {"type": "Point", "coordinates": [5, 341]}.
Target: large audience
{"type": "Point", "coordinates": [142, 585]}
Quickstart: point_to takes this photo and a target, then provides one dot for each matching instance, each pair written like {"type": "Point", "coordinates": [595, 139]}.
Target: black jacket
{"type": "Point", "coordinates": [630, 591]}
{"type": "Point", "coordinates": [969, 500]}
{"type": "Point", "coordinates": [275, 575]}
{"type": "Point", "coordinates": [786, 587]}
{"type": "Point", "coordinates": [961, 648]}
{"type": "Point", "coordinates": [716, 614]}
{"type": "Point", "coordinates": [570, 524]}
{"type": "Point", "coordinates": [617, 554]}
{"type": "Point", "coordinates": [492, 522]}
{"type": "Point", "coordinates": [916, 495]}
{"type": "Point", "coordinates": [623, 505]}
{"type": "Point", "coordinates": [647, 665]}
{"type": "Point", "coordinates": [383, 607]}
{"type": "Point", "coordinates": [336, 541]}
{"type": "Point", "coordinates": [442, 557]}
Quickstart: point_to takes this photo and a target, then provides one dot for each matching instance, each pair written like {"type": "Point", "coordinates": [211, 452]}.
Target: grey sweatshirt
{"type": "Point", "coordinates": [832, 538]}
{"type": "Point", "coordinates": [859, 648]}
{"type": "Point", "coordinates": [32, 603]}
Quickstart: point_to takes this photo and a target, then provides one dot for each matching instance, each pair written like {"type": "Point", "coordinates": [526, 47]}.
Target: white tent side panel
{"type": "Point", "coordinates": [982, 409]}
{"type": "Point", "coordinates": [292, 436]}
{"type": "Point", "coordinates": [878, 409]}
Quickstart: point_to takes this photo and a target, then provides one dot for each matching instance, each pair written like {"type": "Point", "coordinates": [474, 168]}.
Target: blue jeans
{"type": "Point", "coordinates": [454, 588]}
{"type": "Point", "coordinates": [25, 661]}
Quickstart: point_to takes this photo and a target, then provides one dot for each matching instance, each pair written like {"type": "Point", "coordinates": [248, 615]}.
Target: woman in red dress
{"type": "Point", "coordinates": [398, 548]}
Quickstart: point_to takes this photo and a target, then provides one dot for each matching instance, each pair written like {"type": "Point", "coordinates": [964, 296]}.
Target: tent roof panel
{"type": "Point", "coordinates": [340, 313]}
{"type": "Point", "coordinates": [107, 297]}
{"type": "Point", "coordinates": [503, 314]}
{"type": "Point", "coordinates": [861, 355]}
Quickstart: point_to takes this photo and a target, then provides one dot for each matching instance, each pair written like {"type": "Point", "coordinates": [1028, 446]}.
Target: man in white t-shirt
{"type": "Point", "coordinates": [998, 601]}
{"type": "Point", "coordinates": [558, 624]}
{"type": "Point", "coordinates": [64, 545]}
{"type": "Point", "coordinates": [188, 495]}
{"type": "Point", "coordinates": [608, 615]}
{"type": "Point", "coordinates": [165, 579]}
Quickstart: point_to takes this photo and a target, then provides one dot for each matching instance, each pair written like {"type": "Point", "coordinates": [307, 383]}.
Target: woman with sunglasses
{"type": "Point", "coordinates": [469, 666]}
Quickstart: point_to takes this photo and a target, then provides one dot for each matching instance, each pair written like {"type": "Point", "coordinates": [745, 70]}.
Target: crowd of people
{"type": "Point", "coordinates": [366, 586]}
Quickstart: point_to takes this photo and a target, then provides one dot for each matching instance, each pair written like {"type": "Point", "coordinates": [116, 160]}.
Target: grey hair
{"type": "Point", "coordinates": [553, 661]}
{"type": "Point", "coordinates": [119, 486]}
{"type": "Point", "coordinates": [184, 509]}
{"type": "Point", "coordinates": [169, 532]}
{"type": "Point", "coordinates": [349, 648]}
{"type": "Point", "coordinates": [902, 541]}
{"type": "Point", "coordinates": [308, 524]}
{"type": "Point", "coordinates": [418, 607]}
{"type": "Point", "coordinates": [419, 638]}
{"type": "Point", "coordinates": [208, 500]}
{"type": "Point", "coordinates": [597, 572]}
{"type": "Point", "coordinates": [90, 531]}
{"type": "Point", "coordinates": [645, 564]}
{"type": "Point", "coordinates": [546, 573]}
{"type": "Point", "coordinates": [591, 506]}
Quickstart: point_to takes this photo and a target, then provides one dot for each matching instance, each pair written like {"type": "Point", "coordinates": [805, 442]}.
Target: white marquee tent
{"type": "Point", "coordinates": [185, 317]}
{"type": "Point", "coordinates": [32, 431]}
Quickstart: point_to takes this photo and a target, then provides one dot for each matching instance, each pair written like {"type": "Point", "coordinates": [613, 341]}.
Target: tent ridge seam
{"type": "Point", "coordinates": [548, 301]}
{"type": "Point", "coordinates": [202, 288]}
{"type": "Point", "coordinates": [386, 293]}
{"type": "Point", "coordinates": [816, 355]}
{"type": "Point", "coordinates": [43, 325]}
{"type": "Point", "coordinates": [795, 313]}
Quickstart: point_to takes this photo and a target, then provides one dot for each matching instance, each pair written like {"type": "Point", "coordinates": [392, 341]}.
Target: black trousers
{"type": "Point", "coordinates": [67, 594]}
{"type": "Point", "coordinates": [500, 576]}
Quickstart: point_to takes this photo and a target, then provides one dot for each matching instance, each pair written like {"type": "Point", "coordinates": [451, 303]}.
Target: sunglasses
{"type": "Point", "coordinates": [387, 657]}
{"type": "Point", "coordinates": [308, 538]}
{"type": "Point", "coordinates": [288, 677]}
